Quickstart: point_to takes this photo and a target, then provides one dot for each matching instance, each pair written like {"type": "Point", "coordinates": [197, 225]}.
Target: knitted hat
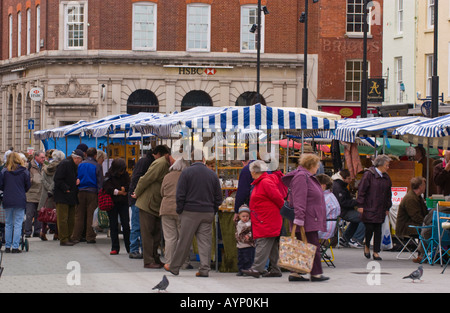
{"type": "Point", "coordinates": [244, 208]}
{"type": "Point", "coordinates": [83, 147]}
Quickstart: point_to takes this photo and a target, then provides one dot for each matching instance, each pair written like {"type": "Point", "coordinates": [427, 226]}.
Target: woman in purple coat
{"type": "Point", "coordinates": [374, 201]}
{"type": "Point", "coordinates": [306, 196]}
{"type": "Point", "coordinates": [15, 182]}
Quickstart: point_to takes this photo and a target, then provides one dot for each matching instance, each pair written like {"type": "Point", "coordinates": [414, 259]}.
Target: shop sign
{"type": "Point", "coordinates": [196, 71]}
{"type": "Point", "coordinates": [375, 90]}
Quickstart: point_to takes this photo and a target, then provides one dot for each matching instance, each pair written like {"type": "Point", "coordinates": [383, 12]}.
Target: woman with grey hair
{"type": "Point", "coordinates": [169, 217]}
{"type": "Point", "coordinates": [265, 203]}
{"type": "Point", "coordinates": [48, 185]}
{"type": "Point", "coordinates": [374, 202]}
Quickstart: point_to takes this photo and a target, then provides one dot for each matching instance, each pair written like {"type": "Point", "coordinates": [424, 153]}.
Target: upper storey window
{"type": "Point", "coordinates": [75, 25]}
{"type": "Point", "coordinates": [198, 27]}
{"type": "Point", "coordinates": [144, 26]}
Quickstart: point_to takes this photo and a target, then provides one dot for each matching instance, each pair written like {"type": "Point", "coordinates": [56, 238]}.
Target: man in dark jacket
{"type": "Point", "coordinates": [65, 195]}
{"type": "Point", "coordinates": [198, 198]}
{"type": "Point", "coordinates": [354, 234]}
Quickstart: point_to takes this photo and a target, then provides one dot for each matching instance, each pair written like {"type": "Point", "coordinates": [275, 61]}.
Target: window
{"type": "Point", "coordinates": [142, 100]}
{"type": "Point", "coordinates": [353, 76]}
{"type": "Point", "coordinates": [10, 39]}
{"type": "Point", "coordinates": [249, 17]}
{"type": "Point", "coordinates": [429, 71]}
{"type": "Point", "coordinates": [195, 98]}
{"type": "Point", "coordinates": [400, 16]}
{"type": "Point", "coordinates": [75, 25]}
{"type": "Point", "coordinates": [28, 31]}
{"type": "Point", "coordinates": [400, 87]}
{"type": "Point", "coordinates": [355, 14]}
{"type": "Point", "coordinates": [38, 28]}
{"type": "Point", "coordinates": [144, 26]}
{"type": "Point", "coordinates": [430, 13]}
{"type": "Point", "coordinates": [198, 27]}
{"type": "Point", "coordinates": [249, 98]}
{"type": "Point", "coordinates": [19, 33]}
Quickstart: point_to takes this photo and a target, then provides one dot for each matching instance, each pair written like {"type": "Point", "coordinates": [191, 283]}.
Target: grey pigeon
{"type": "Point", "coordinates": [416, 275]}
{"type": "Point", "coordinates": [162, 285]}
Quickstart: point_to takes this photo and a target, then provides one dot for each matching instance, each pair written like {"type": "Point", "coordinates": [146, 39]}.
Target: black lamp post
{"type": "Point", "coordinates": [304, 19]}
{"type": "Point", "coordinates": [364, 79]}
{"type": "Point", "coordinates": [435, 78]}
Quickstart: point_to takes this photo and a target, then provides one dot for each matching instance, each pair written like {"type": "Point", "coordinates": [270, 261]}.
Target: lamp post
{"type": "Point", "coordinates": [304, 19]}
{"type": "Point", "coordinates": [364, 78]}
{"type": "Point", "coordinates": [435, 78]}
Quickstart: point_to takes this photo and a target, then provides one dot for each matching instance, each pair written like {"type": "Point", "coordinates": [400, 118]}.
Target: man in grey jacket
{"type": "Point", "coordinates": [198, 198]}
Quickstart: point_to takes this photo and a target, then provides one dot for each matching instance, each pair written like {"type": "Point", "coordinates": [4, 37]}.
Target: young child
{"type": "Point", "coordinates": [244, 239]}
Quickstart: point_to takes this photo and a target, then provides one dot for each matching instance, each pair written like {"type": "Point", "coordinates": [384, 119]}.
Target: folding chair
{"type": "Point", "coordinates": [407, 242]}
{"type": "Point", "coordinates": [325, 245]}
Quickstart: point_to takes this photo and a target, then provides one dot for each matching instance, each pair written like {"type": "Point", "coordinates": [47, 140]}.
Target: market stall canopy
{"type": "Point", "coordinates": [349, 129]}
{"type": "Point", "coordinates": [123, 125]}
{"type": "Point", "coordinates": [431, 132]}
{"type": "Point", "coordinates": [73, 129]}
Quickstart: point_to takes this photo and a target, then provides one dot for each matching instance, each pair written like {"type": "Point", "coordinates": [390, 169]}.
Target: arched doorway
{"type": "Point", "coordinates": [249, 98]}
{"type": "Point", "coordinates": [194, 99]}
{"type": "Point", "coordinates": [142, 100]}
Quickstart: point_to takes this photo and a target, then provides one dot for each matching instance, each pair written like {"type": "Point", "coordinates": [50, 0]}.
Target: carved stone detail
{"type": "Point", "coordinates": [72, 90]}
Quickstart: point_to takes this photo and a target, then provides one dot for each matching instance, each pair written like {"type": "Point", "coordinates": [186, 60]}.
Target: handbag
{"type": "Point", "coordinates": [287, 211]}
{"type": "Point", "coordinates": [103, 219]}
{"type": "Point", "coordinates": [47, 215]}
{"type": "Point", "coordinates": [296, 255]}
{"type": "Point", "coordinates": [105, 202]}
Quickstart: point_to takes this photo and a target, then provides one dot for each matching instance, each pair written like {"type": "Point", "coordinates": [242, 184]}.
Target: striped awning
{"type": "Point", "coordinates": [434, 132]}
{"type": "Point", "coordinates": [123, 125]}
{"type": "Point", "coordinates": [349, 129]}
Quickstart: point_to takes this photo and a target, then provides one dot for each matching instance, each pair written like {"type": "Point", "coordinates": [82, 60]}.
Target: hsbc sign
{"type": "Point", "coordinates": [196, 71]}
{"type": "Point", "coordinates": [36, 94]}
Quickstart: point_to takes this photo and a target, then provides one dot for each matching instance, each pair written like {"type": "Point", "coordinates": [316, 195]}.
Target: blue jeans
{"type": "Point", "coordinates": [13, 226]}
{"type": "Point", "coordinates": [135, 233]}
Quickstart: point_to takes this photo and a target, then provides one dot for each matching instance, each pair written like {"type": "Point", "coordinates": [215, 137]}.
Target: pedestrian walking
{"type": "Point", "coordinates": [14, 182]}
{"type": "Point", "coordinates": [32, 225]}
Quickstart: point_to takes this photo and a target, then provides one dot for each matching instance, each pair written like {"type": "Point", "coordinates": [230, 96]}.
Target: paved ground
{"type": "Point", "coordinates": [48, 267]}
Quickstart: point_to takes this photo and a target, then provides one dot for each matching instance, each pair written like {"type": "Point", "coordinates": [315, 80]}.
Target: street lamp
{"type": "Point", "coordinates": [257, 28]}
{"type": "Point", "coordinates": [304, 19]}
{"type": "Point", "coordinates": [364, 80]}
{"type": "Point", "coordinates": [435, 77]}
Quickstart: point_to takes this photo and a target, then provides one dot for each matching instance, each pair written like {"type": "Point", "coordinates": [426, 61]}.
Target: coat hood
{"type": "Point", "coordinates": [337, 176]}
{"type": "Point", "coordinates": [50, 169]}
{"type": "Point", "coordinates": [286, 179]}
{"type": "Point", "coordinates": [17, 171]}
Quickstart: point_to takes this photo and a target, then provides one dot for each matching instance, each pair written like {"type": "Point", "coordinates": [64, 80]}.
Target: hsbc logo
{"type": "Point", "coordinates": [196, 71]}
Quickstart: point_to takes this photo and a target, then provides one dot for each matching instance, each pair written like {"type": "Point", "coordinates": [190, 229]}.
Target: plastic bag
{"type": "Point", "coordinates": [386, 238]}
{"type": "Point", "coordinates": [95, 218]}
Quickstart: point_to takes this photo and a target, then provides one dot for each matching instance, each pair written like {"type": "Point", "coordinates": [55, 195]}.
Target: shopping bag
{"type": "Point", "coordinates": [102, 219]}
{"type": "Point", "coordinates": [386, 238]}
{"type": "Point", "coordinates": [296, 255]}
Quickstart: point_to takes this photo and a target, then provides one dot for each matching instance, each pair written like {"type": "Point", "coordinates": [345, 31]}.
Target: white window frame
{"type": "Point", "coordinates": [400, 17]}
{"type": "Point", "coordinates": [65, 16]}
{"type": "Point", "coordinates": [369, 18]}
{"type": "Point", "coordinates": [19, 33]}
{"type": "Point", "coordinates": [429, 59]}
{"type": "Point", "coordinates": [191, 24]}
{"type": "Point", "coordinates": [246, 25]}
{"type": "Point", "coordinates": [151, 24]}
{"type": "Point", "coordinates": [430, 14]}
{"type": "Point", "coordinates": [10, 37]}
{"type": "Point", "coordinates": [399, 80]}
{"type": "Point", "coordinates": [28, 31]}
{"type": "Point", "coordinates": [38, 28]}
{"type": "Point", "coordinates": [354, 80]}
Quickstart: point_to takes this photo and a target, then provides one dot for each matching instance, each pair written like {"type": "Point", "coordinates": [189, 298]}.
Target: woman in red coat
{"type": "Point", "coordinates": [265, 203]}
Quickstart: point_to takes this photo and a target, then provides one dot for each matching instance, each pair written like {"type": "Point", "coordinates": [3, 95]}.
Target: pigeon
{"type": "Point", "coordinates": [416, 275]}
{"type": "Point", "coordinates": [162, 285]}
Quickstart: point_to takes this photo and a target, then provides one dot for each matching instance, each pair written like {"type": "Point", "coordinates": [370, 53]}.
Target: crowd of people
{"type": "Point", "coordinates": [172, 201]}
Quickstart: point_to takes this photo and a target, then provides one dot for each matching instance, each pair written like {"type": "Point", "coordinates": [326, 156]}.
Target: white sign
{"type": "Point", "coordinates": [397, 194]}
{"type": "Point", "coordinates": [36, 94]}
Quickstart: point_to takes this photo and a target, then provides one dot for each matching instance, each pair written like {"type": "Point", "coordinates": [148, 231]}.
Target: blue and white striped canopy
{"type": "Point", "coordinates": [431, 132]}
{"type": "Point", "coordinates": [236, 119]}
{"type": "Point", "coordinates": [349, 129]}
{"type": "Point", "coordinates": [73, 129]}
{"type": "Point", "coordinates": [123, 124]}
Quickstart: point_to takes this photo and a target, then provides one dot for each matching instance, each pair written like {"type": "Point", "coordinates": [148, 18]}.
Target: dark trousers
{"type": "Point", "coordinates": [150, 236]}
{"type": "Point", "coordinates": [245, 258]}
{"type": "Point", "coordinates": [313, 238]}
{"type": "Point", "coordinates": [119, 210]}
{"type": "Point", "coordinates": [87, 203]}
{"type": "Point", "coordinates": [373, 229]}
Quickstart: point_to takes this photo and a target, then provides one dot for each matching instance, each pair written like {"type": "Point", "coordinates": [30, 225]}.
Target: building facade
{"type": "Point", "coordinates": [95, 58]}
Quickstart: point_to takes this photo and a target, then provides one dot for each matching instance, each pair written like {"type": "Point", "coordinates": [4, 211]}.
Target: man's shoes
{"type": "Point", "coordinates": [272, 274]}
{"type": "Point", "coordinates": [67, 243]}
{"type": "Point", "coordinates": [417, 260]}
{"type": "Point", "coordinates": [135, 255]}
{"type": "Point", "coordinates": [251, 272]}
{"type": "Point", "coordinates": [198, 274]}
{"type": "Point", "coordinates": [153, 265]}
{"type": "Point", "coordinates": [354, 244]}
{"type": "Point", "coordinates": [320, 278]}
{"type": "Point", "coordinates": [91, 241]}
{"type": "Point", "coordinates": [43, 237]}
{"type": "Point", "coordinates": [167, 268]}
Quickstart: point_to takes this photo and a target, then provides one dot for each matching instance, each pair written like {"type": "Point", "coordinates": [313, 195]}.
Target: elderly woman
{"type": "Point", "coordinates": [265, 203]}
{"type": "Point", "coordinates": [374, 202]}
{"type": "Point", "coordinates": [48, 185]}
{"type": "Point", "coordinates": [308, 200]}
{"type": "Point", "coordinates": [168, 210]}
